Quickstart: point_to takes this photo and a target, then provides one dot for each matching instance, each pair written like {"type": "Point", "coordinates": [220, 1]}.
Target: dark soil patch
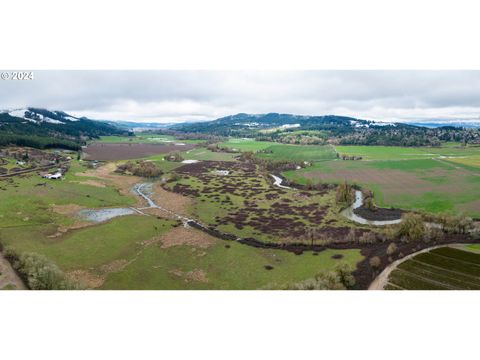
{"type": "Point", "coordinates": [268, 267]}
{"type": "Point", "coordinates": [337, 256]}
{"type": "Point", "coordinates": [126, 151]}
{"type": "Point", "coordinates": [379, 214]}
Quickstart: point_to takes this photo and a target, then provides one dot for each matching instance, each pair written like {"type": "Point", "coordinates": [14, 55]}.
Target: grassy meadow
{"type": "Point", "coordinates": [426, 179]}
{"type": "Point", "coordinates": [222, 265]}
{"type": "Point", "coordinates": [128, 252]}
{"type": "Point", "coordinates": [245, 144]}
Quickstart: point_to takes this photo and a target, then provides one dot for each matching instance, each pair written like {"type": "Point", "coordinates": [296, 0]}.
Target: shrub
{"type": "Point", "coordinates": [375, 262]}
{"type": "Point", "coordinates": [345, 194]}
{"type": "Point", "coordinates": [433, 234]}
{"type": "Point", "coordinates": [175, 157]}
{"type": "Point", "coordinates": [140, 168]}
{"type": "Point", "coordinates": [368, 204]}
{"type": "Point", "coordinates": [369, 237]}
{"type": "Point", "coordinates": [412, 227]}
{"type": "Point", "coordinates": [390, 233]}
{"type": "Point", "coordinates": [324, 241]}
{"type": "Point", "coordinates": [391, 249]}
{"type": "Point", "coordinates": [323, 281]}
{"type": "Point", "coordinates": [37, 271]}
{"type": "Point", "coordinates": [351, 236]}
{"type": "Point", "coordinates": [456, 224]}
{"type": "Point", "coordinates": [344, 271]}
{"type": "Point", "coordinates": [340, 278]}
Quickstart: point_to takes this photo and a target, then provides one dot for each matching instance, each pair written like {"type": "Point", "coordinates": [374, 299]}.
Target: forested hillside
{"type": "Point", "coordinates": [42, 128]}
{"type": "Point", "coordinates": [329, 128]}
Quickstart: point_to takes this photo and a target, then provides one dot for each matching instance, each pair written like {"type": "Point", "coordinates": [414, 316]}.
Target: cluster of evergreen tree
{"type": "Point", "coordinates": [39, 142]}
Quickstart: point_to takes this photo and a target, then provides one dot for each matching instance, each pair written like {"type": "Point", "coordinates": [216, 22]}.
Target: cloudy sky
{"type": "Point", "coordinates": [174, 96]}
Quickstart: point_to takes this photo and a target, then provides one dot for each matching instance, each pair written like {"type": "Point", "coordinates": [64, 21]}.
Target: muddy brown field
{"type": "Point", "coordinates": [127, 151]}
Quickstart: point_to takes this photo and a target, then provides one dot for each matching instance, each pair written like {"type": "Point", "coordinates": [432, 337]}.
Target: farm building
{"type": "Point", "coordinates": [55, 176]}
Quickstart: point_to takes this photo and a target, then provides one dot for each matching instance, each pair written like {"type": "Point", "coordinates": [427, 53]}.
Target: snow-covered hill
{"type": "Point", "coordinates": [38, 116]}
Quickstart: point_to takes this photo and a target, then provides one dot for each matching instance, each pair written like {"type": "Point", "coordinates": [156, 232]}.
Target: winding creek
{"type": "Point", "coordinates": [278, 182]}
{"type": "Point", "coordinates": [145, 190]}
{"type": "Point", "coordinates": [349, 211]}
{"type": "Point", "coordinates": [350, 214]}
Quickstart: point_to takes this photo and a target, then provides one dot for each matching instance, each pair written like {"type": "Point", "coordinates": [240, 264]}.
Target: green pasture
{"type": "Point", "coordinates": [225, 265]}
{"type": "Point", "coordinates": [310, 153]}
{"type": "Point", "coordinates": [26, 200]}
{"type": "Point", "coordinates": [245, 144]}
{"type": "Point", "coordinates": [432, 185]}
{"type": "Point", "coordinates": [407, 153]}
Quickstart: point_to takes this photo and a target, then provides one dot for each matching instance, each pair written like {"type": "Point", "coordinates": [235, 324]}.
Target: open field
{"type": "Point", "coordinates": [145, 138]}
{"type": "Point", "coordinates": [27, 200]}
{"type": "Point", "coordinates": [406, 153]}
{"type": "Point", "coordinates": [310, 153]}
{"type": "Point", "coordinates": [216, 264]}
{"type": "Point", "coordinates": [122, 151]}
{"type": "Point", "coordinates": [432, 184]}
{"type": "Point", "coordinates": [270, 150]}
{"type": "Point", "coordinates": [471, 161]}
{"type": "Point", "coordinates": [139, 252]}
{"type": "Point", "coordinates": [439, 269]}
{"type": "Point", "coordinates": [384, 152]}
{"type": "Point", "coordinates": [246, 144]}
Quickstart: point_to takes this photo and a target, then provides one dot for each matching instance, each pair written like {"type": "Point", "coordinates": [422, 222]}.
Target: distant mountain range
{"type": "Point", "coordinates": [242, 121]}
{"type": "Point", "coordinates": [329, 128]}
{"type": "Point", "coordinates": [434, 124]}
{"type": "Point", "coordinates": [47, 128]}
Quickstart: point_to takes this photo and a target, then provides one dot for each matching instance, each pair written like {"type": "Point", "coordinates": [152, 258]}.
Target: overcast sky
{"type": "Point", "coordinates": [174, 96]}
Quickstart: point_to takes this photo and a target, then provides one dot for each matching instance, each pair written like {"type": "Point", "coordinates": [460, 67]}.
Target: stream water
{"type": "Point", "coordinates": [350, 214]}
{"type": "Point", "coordinates": [100, 215]}
{"type": "Point", "coordinates": [278, 182]}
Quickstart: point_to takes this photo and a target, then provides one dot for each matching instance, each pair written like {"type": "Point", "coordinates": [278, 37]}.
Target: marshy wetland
{"type": "Point", "coordinates": [213, 214]}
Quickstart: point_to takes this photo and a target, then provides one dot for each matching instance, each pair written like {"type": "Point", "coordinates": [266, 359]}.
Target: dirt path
{"type": "Point", "coordinates": [8, 276]}
{"type": "Point", "coordinates": [381, 280]}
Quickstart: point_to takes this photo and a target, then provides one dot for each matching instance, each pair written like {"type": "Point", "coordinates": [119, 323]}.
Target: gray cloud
{"type": "Point", "coordinates": [172, 96]}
